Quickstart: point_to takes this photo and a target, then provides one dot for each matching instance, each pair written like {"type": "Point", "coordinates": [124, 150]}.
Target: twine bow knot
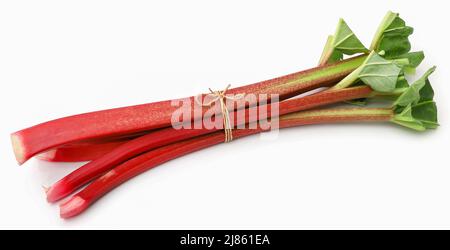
{"type": "Point", "coordinates": [220, 95]}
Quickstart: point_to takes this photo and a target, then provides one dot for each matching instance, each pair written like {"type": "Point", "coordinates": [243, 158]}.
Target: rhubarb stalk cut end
{"type": "Point", "coordinates": [56, 192]}
{"type": "Point", "coordinates": [18, 148]}
{"type": "Point", "coordinates": [72, 207]}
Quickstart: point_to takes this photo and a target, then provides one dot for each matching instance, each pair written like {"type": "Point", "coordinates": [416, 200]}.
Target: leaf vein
{"type": "Point", "coordinates": [344, 39]}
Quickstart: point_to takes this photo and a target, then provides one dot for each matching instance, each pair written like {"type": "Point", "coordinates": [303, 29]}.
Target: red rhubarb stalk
{"type": "Point", "coordinates": [85, 151]}
{"type": "Point", "coordinates": [413, 109]}
{"type": "Point", "coordinates": [166, 136]}
{"type": "Point", "coordinates": [146, 161]}
{"type": "Point", "coordinates": [79, 152]}
{"type": "Point", "coordinates": [133, 119]}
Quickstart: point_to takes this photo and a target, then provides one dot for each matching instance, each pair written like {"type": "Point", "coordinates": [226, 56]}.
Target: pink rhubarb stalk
{"type": "Point", "coordinates": [159, 138]}
{"type": "Point", "coordinates": [134, 119]}
{"type": "Point", "coordinates": [80, 152]}
{"type": "Point", "coordinates": [85, 198]}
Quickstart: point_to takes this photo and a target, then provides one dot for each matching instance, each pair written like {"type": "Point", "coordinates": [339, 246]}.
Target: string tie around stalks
{"type": "Point", "coordinates": [220, 96]}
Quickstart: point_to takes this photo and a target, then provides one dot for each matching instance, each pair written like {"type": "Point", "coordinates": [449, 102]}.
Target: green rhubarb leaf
{"type": "Point", "coordinates": [392, 36]}
{"type": "Point", "coordinates": [420, 91]}
{"type": "Point", "coordinates": [401, 82]}
{"type": "Point", "coordinates": [419, 117]}
{"type": "Point", "coordinates": [406, 119]}
{"type": "Point", "coordinates": [343, 42]}
{"type": "Point", "coordinates": [426, 113]}
{"type": "Point", "coordinates": [346, 41]}
{"type": "Point", "coordinates": [415, 108]}
{"type": "Point", "coordinates": [380, 74]}
{"type": "Point", "coordinates": [401, 86]}
{"type": "Point", "coordinates": [414, 59]}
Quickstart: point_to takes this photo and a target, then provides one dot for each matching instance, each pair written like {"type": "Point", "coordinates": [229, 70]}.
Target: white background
{"type": "Point", "coordinates": [59, 58]}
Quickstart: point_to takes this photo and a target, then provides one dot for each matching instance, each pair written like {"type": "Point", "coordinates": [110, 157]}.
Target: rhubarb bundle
{"type": "Point", "coordinates": [124, 142]}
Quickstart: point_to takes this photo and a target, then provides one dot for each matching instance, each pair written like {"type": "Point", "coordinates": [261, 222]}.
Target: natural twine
{"type": "Point", "coordinates": [220, 96]}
